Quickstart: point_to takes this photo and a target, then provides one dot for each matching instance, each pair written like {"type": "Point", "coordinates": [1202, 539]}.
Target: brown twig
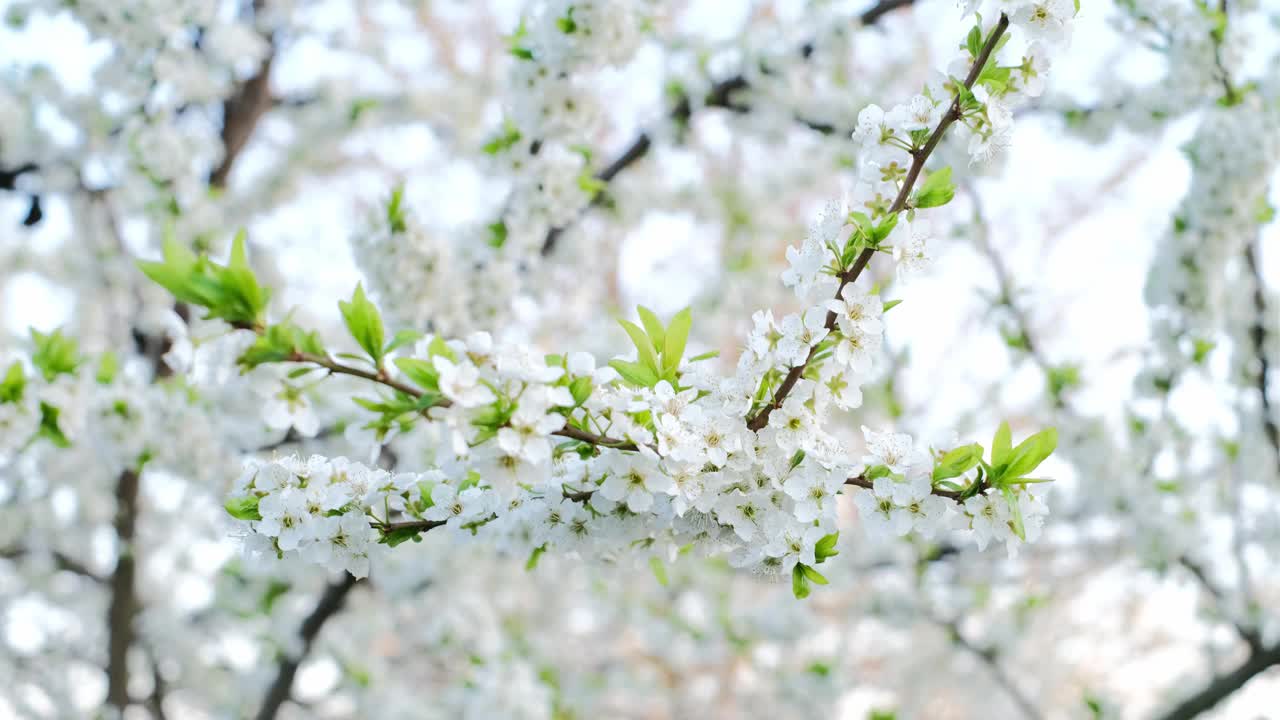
{"type": "Point", "coordinates": [383, 378]}
{"type": "Point", "coordinates": [918, 158]}
{"type": "Point", "coordinates": [863, 482]}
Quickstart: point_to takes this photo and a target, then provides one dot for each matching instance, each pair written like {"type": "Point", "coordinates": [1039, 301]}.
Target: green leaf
{"type": "Point", "coordinates": [401, 535]}
{"type": "Point", "coordinates": [705, 356]}
{"type": "Point", "coordinates": [275, 590]}
{"type": "Point", "coordinates": [1062, 378]}
{"type": "Point", "coordinates": [799, 583]}
{"type": "Point", "coordinates": [247, 300]}
{"type": "Point", "coordinates": [497, 234]}
{"type": "Point", "coordinates": [359, 107]}
{"type": "Point", "coordinates": [891, 304]}
{"type": "Point", "coordinates": [677, 337]}
{"type": "Point", "coordinates": [973, 41]}
{"type": "Point", "coordinates": [878, 471]}
{"type": "Point", "coordinates": [534, 556]}
{"type": "Point", "coordinates": [108, 366]}
{"type": "Point", "coordinates": [1000, 444]}
{"type": "Point", "coordinates": [635, 373]}
{"type": "Point", "coordinates": [957, 462]}
{"type": "Point", "coordinates": [812, 574]}
{"type": "Point", "coordinates": [228, 292]}
{"type": "Point", "coordinates": [566, 23]}
{"type": "Point", "coordinates": [580, 388]}
{"type": "Point", "coordinates": [652, 326]}
{"type": "Point", "coordinates": [936, 190]}
{"type": "Point", "coordinates": [883, 229]}
{"type": "Point", "coordinates": [420, 372]}
{"type": "Point", "coordinates": [364, 323]}
{"type": "Point", "coordinates": [243, 508]}
{"type": "Point", "coordinates": [13, 384]}
{"type": "Point", "coordinates": [1201, 350]}
{"type": "Point", "coordinates": [505, 141]}
{"type": "Point", "coordinates": [659, 570]}
{"type": "Point", "coordinates": [402, 338]}
{"type": "Point", "coordinates": [54, 354]}
{"type": "Point", "coordinates": [1030, 453]}
{"type": "Point", "coordinates": [395, 211]}
{"type": "Point", "coordinates": [49, 426]}
{"type": "Point", "coordinates": [438, 346]}
{"type": "Point", "coordinates": [645, 351]}
{"type": "Point", "coordinates": [996, 78]}
{"type": "Point", "coordinates": [826, 547]}
{"type": "Point", "coordinates": [1027, 481]}
{"type": "Point", "coordinates": [281, 342]}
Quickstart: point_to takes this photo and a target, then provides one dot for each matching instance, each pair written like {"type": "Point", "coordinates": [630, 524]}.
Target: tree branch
{"type": "Point", "coordinates": [1258, 337]}
{"type": "Point", "coordinates": [1224, 686]}
{"type": "Point", "coordinates": [124, 602]}
{"type": "Point", "coordinates": [240, 115]}
{"type": "Point", "coordinates": [987, 656]}
{"type": "Point", "coordinates": [863, 482]}
{"type": "Point", "coordinates": [382, 378]}
{"type": "Point", "coordinates": [1249, 635]}
{"type": "Point", "coordinates": [918, 159]}
{"type": "Point", "coordinates": [330, 602]}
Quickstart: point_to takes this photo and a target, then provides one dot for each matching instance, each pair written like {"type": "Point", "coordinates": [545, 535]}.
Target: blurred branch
{"type": "Point", "coordinates": [1258, 336]}
{"type": "Point", "coordinates": [330, 602]}
{"type": "Point", "coordinates": [123, 606]}
{"type": "Point", "coordinates": [1224, 686]}
{"type": "Point", "coordinates": [988, 657]}
{"type": "Point", "coordinates": [721, 95]}
{"type": "Point", "coordinates": [62, 560]}
{"type": "Point", "coordinates": [159, 688]}
{"type": "Point", "coordinates": [1248, 634]}
{"type": "Point", "coordinates": [240, 115]}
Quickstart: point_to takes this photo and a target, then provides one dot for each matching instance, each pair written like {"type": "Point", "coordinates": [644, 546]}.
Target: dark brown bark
{"type": "Point", "coordinates": [240, 115]}
{"type": "Point", "coordinates": [124, 600]}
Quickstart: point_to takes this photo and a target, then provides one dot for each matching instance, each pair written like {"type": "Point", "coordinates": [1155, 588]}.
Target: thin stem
{"type": "Point", "coordinates": [863, 481]}
{"type": "Point", "coordinates": [374, 376]}
{"type": "Point", "coordinates": [918, 159]}
{"type": "Point", "coordinates": [382, 378]}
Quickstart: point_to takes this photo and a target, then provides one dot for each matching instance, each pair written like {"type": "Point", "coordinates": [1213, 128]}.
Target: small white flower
{"type": "Point", "coordinates": [634, 479]}
{"type": "Point", "coordinates": [857, 311]}
{"type": "Point", "coordinates": [893, 450]}
{"type": "Point", "coordinates": [290, 408]}
{"type": "Point", "coordinates": [461, 383]}
{"type": "Point", "coordinates": [529, 430]}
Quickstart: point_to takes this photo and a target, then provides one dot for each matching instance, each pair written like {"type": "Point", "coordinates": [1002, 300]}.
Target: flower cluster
{"type": "Point", "coordinates": [449, 282]}
{"type": "Point", "coordinates": [654, 451]}
{"type": "Point", "coordinates": [1224, 203]}
{"type": "Point", "coordinates": [552, 110]}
